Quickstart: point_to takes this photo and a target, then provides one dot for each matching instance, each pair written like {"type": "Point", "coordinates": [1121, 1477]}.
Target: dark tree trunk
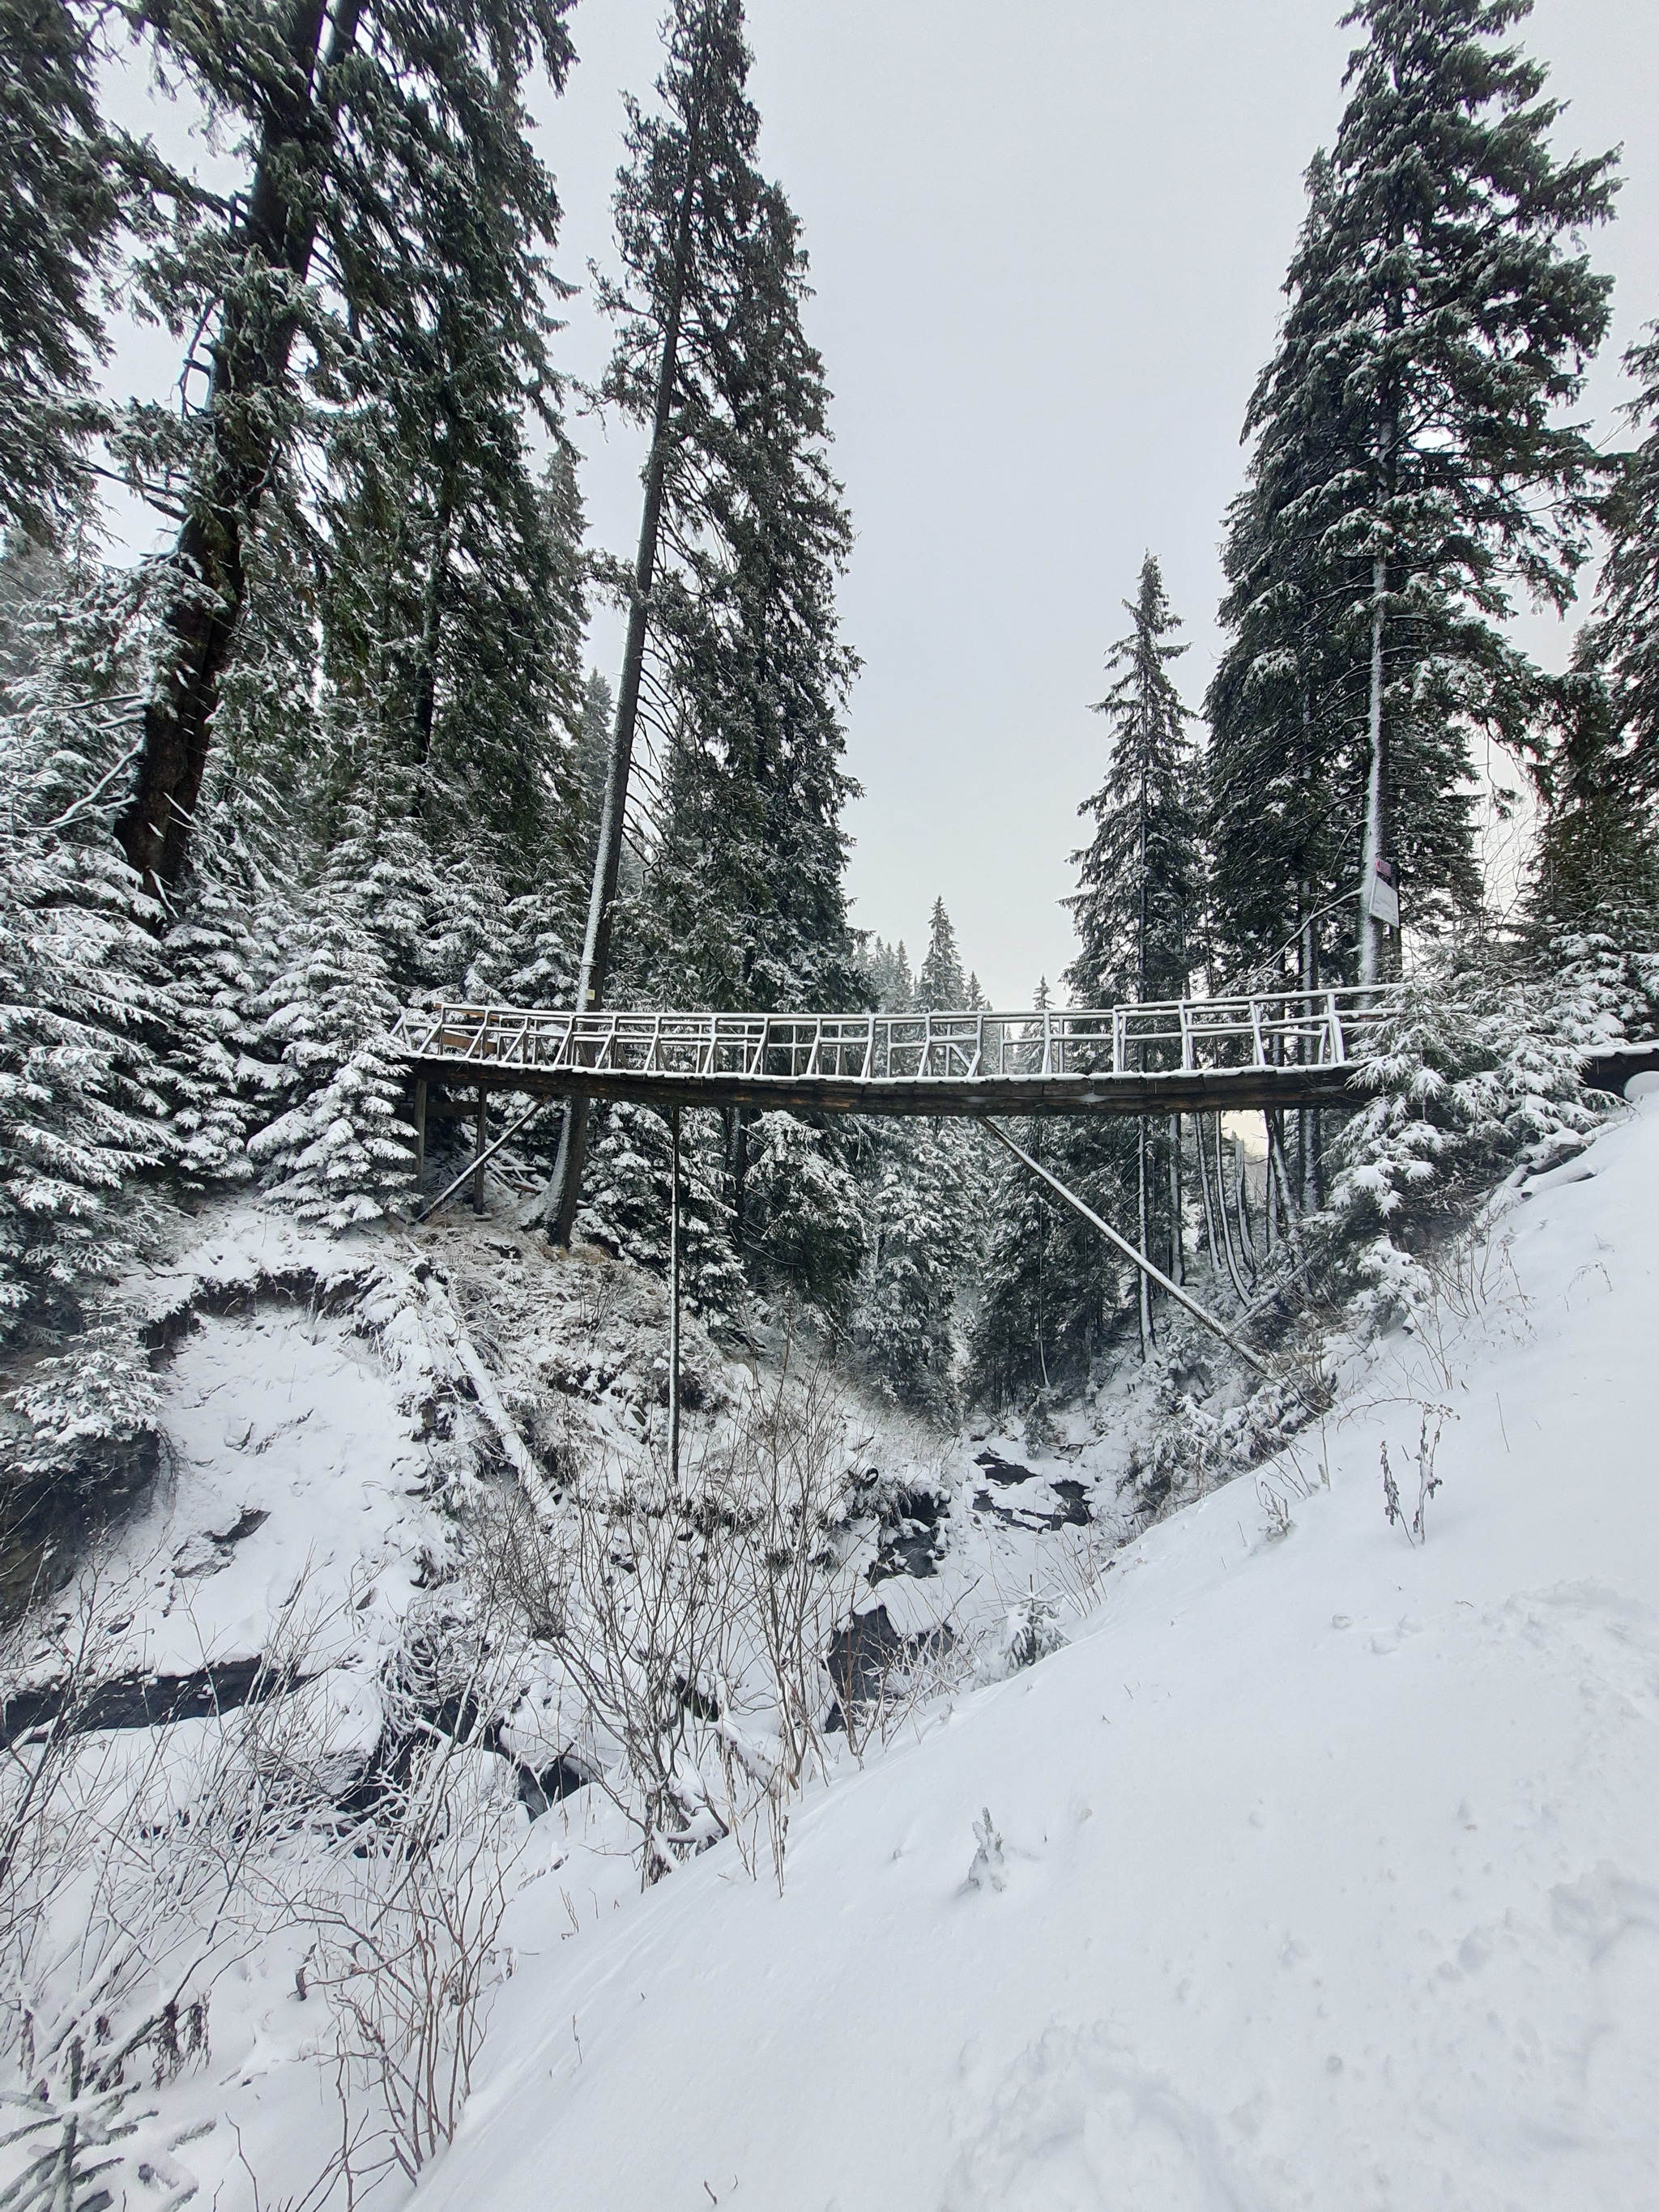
{"type": "Point", "coordinates": [250, 365]}
{"type": "Point", "coordinates": [607, 861]}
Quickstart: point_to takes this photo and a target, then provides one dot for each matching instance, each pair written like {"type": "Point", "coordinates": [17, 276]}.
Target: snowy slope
{"type": "Point", "coordinates": [1332, 1863]}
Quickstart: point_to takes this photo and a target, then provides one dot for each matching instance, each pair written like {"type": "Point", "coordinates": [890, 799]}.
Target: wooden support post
{"type": "Point", "coordinates": [482, 1146]}
{"type": "Point", "coordinates": [420, 1131]}
{"type": "Point", "coordinates": [674, 1308]}
{"type": "Point", "coordinates": [475, 1167]}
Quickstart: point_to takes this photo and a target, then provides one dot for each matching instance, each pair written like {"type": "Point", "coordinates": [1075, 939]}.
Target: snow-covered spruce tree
{"type": "Point", "coordinates": [627, 1205]}
{"type": "Point", "coordinates": [1278, 786]}
{"type": "Point", "coordinates": [919, 1238]}
{"type": "Point", "coordinates": [222, 954]}
{"type": "Point", "coordinates": [1623, 640]}
{"type": "Point", "coordinates": [926, 1187]}
{"type": "Point", "coordinates": [803, 1228]}
{"type": "Point", "coordinates": [742, 676]}
{"type": "Point", "coordinates": [891, 987]}
{"type": "Point", "coordinates": [372, 128]}
{"type": "Point", "coordinates": [1136, 910]}
{"type": "Point", "coordinates": [592, 750]}
{"type": "Point", "coordinates": [1482, 1074]}
{"type": "Point", "coordinates": [58, 203]}
{"type": "Point", "coordinates": [454, 607]}
{"type": "Point", "coordinates": [734, 667]}
{"type": "Point", "coordinates": [743, 903]}
{"type": "Point", "coordinates": [229, 925]}
{"type": "Point", "coordinates": [1411, 465]}
{"type": "Point", "coordinates": [1136, 904]}
{"type": "Point", "coordinates": [83, 997]}
{"type": "Point", "coordinates": [335, 1155]}
{"type": "Point", "coordinates": [1013, 1355]}
{"type": "Point", "coordinates": [1597, 871]}
{"type": "Point", "coordinates": [941, 986]}
{"type": "Point", "coordinates": [1051, 1290]}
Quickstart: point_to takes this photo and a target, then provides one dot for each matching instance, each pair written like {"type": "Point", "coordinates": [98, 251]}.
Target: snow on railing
{"type": "Point", "coordinates": [1285, 1029]}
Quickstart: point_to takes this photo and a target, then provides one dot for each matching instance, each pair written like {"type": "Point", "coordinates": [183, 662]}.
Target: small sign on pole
{"type": "Point", "coordinates": [1381, 896]}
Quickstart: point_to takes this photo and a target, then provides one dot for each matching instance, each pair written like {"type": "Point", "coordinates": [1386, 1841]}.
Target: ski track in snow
{"type": "Point", "coordinates": [1333, 1864]}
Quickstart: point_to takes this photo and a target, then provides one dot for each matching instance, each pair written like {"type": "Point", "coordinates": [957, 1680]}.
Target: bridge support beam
{"type": "Point", "coordinates": [475, 1166]}
{"type": "Point", "coordinates": [1148, 1271]}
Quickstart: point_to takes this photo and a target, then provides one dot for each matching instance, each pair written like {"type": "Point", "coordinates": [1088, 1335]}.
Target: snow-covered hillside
{"type": "Point", "coordinates": [1329, 1862]}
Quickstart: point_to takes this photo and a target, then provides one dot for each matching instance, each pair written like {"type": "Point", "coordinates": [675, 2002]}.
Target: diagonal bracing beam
{"type": "Point", "coordinates": [475, 1165]}
{"type": "Point", "coordinates": [1129, 1251]}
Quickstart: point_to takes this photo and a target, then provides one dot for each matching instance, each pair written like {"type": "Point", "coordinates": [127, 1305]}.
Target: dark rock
{"type": "Point", "coordinates": [145, 1701]}
{"type": "Point", "coordinates": [1004, 1471]}
{"type": "Point", "coordinates": [913, 1542]}
{"type": "Point", "coordinates": [1072, 1511]}
{"type": "Point", "coordinates": [541, 1787]}
{"type": "Point", "coordinates": [870, 1657]}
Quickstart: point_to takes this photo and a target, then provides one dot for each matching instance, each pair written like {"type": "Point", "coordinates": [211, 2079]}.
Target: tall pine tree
{"type": "Point", "coordinates": [58, 203]}
{"type": "Point", "coordinates": [1136, 906]}
{"type": "Point", "coordinates": [734, 665]}
{"type": "Point", "coordinates": [1411, 467]}
{"type": "Point", "coordinates": [387, 145]}
{"type": "Point", "coordinates": [941, 985]}
{"type": "Point", "coordinates": [1624, 639]}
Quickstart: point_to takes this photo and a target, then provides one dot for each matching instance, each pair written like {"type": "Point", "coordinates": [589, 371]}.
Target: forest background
{"type": "Point", "coordinates": [330, 738]}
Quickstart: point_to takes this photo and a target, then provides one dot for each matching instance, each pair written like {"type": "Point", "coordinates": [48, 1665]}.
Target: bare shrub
{"type": "Point", "coordinates": [1428, 1442]}
{"type": "Point", "coordinates": [688, 1622]}
{"type": "Point", "coordinates": [405, 1910]}
{"type": "Point", "coordinates": [137, 1867]}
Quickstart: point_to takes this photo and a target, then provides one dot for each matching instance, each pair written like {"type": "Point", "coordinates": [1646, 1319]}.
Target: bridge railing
{"type": "Point", "coordinates": [1328, 1027]}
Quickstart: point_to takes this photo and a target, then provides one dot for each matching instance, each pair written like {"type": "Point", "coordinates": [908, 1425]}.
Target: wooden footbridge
{"type": "Point", "coordinates": [1259, 1051]}
{"type": "Point", "coordinates": [1255, 1052]}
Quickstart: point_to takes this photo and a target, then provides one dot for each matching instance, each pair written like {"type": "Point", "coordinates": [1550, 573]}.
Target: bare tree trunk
{"type": "Point", "coordinates": [250, 364]}
{"type": "Point", "coordinates": [1177, 1243]}
{"type": "Point", "coordinates": [1307, 1124]}
{"type": "Point", "coordinates": [1222, 1208]}
{"type": "Point", "coordinates": [1211, 1244]}
{"type": "Point", "coordinates": [1291, 1227]}
{"type": "Point", "coordinates": [1246, 1243]}
{"type": "Point", "coordinates": [566, 1189]}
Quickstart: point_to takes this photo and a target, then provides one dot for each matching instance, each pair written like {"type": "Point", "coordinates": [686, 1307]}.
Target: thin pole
{"type": "Point", "coordinates": [1142, 1285]}
{"type": "Point", "coordinates": [476, 1166]}
{"type": "Point", "coordinates": [1180, 1297]}
{"type": "Point", "coordinates": [674, 1308]}
{"type": "Point", "coordinates": [420, 1131]}
{"type": "Point", "coordinates": [1223, 1203]}
{"type": "Point", "coordinates": [1370, 932]}
{"type": "Point", "coordinates": [478, 1162]}
{"type": "Point", "coordinates": [607, 859]}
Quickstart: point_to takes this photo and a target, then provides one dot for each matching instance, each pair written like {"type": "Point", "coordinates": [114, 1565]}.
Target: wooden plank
{"type": "Point", "coordinates": [1185, 1091]}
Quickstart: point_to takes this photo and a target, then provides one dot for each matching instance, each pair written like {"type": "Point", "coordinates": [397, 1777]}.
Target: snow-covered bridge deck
{"type": "Point", "coordinates": [1254, 1051]}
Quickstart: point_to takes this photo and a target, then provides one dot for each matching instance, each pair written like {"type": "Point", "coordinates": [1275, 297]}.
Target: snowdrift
{"type": "Point", "coordinates": [1329, 1862]}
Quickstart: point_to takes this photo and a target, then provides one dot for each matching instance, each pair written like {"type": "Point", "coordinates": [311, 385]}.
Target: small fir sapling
{"type": "Point", "coordinates": [1032, 1629]}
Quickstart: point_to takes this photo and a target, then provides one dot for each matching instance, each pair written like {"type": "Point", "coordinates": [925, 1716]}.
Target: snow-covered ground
{"type": "Point", "coordinates": [1328, 1869]}
{"type": "Point", "coordinates": [1321, 1867]}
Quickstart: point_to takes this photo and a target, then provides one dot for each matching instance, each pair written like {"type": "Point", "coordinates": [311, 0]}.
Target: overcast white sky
{"type": "Point", "coordinates": [1047, 243]}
